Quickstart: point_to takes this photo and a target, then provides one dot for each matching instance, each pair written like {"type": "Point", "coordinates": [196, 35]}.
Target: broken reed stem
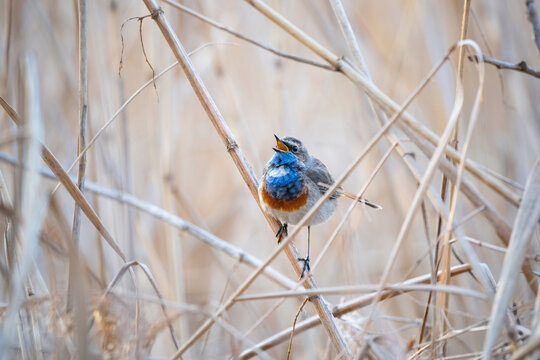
{"type": "Point", "coordinates": [249, 178]}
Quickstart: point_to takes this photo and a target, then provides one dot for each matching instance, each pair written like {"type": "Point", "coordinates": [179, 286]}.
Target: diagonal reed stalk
{"type": "Point", "coordinates": [246, 172]}
{"type": "Point", "coordinates": [380, 98]}
{"type": "Point", "coordinates": [179, 223]}
{"type": "Point", "coordinates": [61, 175]}
{"type": "Point", "coordinates": [526, 221]}
{"type": "Point", "coordinates": [54, 165]}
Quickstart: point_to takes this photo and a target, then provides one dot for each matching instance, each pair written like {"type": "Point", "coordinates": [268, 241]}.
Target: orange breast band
{"type": "Point", "coordinates": [284, 205]}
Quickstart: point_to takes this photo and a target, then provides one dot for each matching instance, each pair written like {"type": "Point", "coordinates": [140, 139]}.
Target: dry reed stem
{"type": "Point", "coordinates": [76, 293]}
{"type": "Point", "coordinates": [342, 309]}
{"type": "Point", "coordinates": [348, 34]}
{"type": "Point", "coordinates": [245, 38]}
{"type": "Point", "coordinates": [289, 348]}
{"type": "Point", "coordinates": [366, 288]}
{"type": "Point", "coordinates": [352, 43]}
{"type": "Point", "coordinates": [83, 110]}
{"type": "Point", "coordinates": [518, 167]}
{"type": "Point", "coordinates": [485, 175]}
{"type": "Point", "coordinates": [526, 221]}
{"type": "Point", "coordinates": [532, 345]}
{"type": "Point", "coordinates": [385, 102]}
{"type": "Point", "coordinates": [423, 187]}
{"type": "Point", "coordinates": [119, 111]}
{"type": "Point", "coordinates": [445, 247]}
{"type": "Point", "coordinates": [295, 32]}
{"type": "Point", "coordinates": [53, 164]}
{"type": "Point", "coordinates": [181, 224]}
{"type": "Point", "coordinates": [79, 198]}
{"type": "Point", "coordinates": [247, 174]}
{"type": "Point", "coordinates": [452, 334]}
{"type": "Point", "coordinates": [502, 229]}
{"type": "Point", "coordinates": [22, 238]}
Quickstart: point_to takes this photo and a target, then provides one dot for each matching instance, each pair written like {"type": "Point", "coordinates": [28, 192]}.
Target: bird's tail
{"type": "Point", "coordinates": [360, 200]}
{"type": "Point", "coordinates": [340, 192]}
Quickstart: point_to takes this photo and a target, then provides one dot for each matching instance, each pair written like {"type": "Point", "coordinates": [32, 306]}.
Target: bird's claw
{"type": "Point", "coordinates": [282, 232]}
{"type": "Point", "coordinates": [305, 267]}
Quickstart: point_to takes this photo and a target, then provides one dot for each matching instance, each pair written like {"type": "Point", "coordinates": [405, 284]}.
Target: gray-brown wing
{"type": "Point", "coordinates": [318, 173]}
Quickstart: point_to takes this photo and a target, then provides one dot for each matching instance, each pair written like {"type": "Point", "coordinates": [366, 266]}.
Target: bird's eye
{"type": "Point", "coordinates": [295, 148]}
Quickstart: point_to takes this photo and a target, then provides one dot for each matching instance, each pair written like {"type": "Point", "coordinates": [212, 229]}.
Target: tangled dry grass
{"type": "Point", "coordinates": [130, 222]}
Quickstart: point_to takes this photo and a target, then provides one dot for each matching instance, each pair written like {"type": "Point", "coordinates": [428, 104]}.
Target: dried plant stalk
{"type": "Point", "coordinates": [342, 309]}
{"type": "Point", "coordinates": [383, 100]}
{"type": "Point", "coordinates": [249, 178]}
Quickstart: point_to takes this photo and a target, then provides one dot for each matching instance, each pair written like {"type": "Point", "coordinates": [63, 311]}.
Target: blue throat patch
{"type": "Point", "coordinates": [287, 186]}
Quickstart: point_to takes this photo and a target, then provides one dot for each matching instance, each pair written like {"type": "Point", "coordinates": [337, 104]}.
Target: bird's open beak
{"type": "Point", "coordinates": [280, 146]}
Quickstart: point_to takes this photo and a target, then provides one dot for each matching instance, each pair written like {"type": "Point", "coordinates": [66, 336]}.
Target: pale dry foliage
{"type": "Point", "coordinates": [163, 150]}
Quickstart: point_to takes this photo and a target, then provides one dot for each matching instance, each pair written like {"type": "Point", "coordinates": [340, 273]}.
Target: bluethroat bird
{"type": "Point", "coordinates": [292, 182]}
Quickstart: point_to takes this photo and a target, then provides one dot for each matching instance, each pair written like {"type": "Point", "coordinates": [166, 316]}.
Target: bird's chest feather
{"type": "Point", "coordinates": [284, 189]}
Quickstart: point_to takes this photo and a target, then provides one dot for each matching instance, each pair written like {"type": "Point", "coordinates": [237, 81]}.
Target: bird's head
{"type": "Point", "coordinates": [289, 148]}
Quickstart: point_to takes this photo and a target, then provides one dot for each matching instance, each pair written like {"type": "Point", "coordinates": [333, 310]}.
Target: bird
{"type": "Point", "coordinates": [291, 183]}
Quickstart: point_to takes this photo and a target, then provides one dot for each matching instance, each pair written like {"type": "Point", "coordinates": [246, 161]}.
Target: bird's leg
{"type": "Point", "coordinates": [282, 232]}
{"type": "Point", "coordinates": [306, 259]}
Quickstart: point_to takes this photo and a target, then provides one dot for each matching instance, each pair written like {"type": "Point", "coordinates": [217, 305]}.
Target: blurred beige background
{"type": "Point", "coordinates": [163, 149]}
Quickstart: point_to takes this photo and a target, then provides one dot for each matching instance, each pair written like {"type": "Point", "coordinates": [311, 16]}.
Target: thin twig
{"type": "Point", "coordinates": [294, 325]}
{"type": "Point", "coordinates": [120, 109]}
{"type": "Point", "coordinates": [499, 64]}
{"type": "Point", "coordinates": [245, 38]}
{"type": "Point", "coordinates": [120, 65]}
